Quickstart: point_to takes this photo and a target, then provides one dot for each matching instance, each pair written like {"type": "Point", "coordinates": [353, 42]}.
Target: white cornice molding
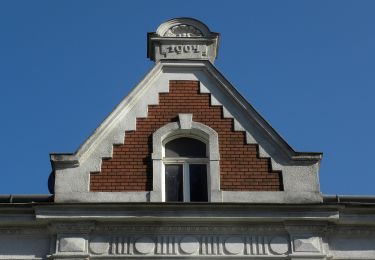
{"type": "Point", "coordinates": [192, 212]}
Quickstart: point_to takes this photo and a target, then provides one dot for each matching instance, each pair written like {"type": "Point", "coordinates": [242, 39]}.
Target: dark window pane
{"type": "Point", "coordinates": [185, 147]}
{"type": "Point", "coordinates": [198, 182]}
{"type": "Point", "coordinates": [173, 183]}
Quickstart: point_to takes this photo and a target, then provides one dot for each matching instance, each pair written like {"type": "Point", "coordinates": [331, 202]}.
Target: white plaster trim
{"type": "Point", "coordinates": [98, 197]}
{"type": "Point", "coordinates": [270, 196]}
{"type": "Point", "coordinates": [199, 131]}
{"type": "Point", "coordinates": [114, 126]}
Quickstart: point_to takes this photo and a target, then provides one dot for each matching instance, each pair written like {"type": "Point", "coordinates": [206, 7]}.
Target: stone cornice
{"type": "Point", "coordinates": [191, 213]}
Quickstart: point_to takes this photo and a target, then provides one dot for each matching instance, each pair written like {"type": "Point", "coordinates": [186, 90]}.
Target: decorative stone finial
{"type": "Point", "coordinates": [183, 38]}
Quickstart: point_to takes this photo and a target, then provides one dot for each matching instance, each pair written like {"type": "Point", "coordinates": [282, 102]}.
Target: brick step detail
{"type": "Point", "coordinates": [130, 168]}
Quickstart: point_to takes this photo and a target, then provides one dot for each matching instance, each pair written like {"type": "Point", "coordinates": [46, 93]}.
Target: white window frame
{"type": "Point", "coordinates": [186, 128]}
{"type": "Point", "coordinates": [185, 162]}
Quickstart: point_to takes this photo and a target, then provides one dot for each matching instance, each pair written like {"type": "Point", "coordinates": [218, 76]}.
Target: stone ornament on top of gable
{"type": "Point", "coordinates": [183, 38]}
{"type": "Point", "coordinates": [183, 30]}
{"type": "Point", "coordinates": [183, 27]}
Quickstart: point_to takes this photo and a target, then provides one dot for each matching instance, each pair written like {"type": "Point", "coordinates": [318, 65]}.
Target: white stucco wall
{"type": "Point", "coordinates": [187, 231]}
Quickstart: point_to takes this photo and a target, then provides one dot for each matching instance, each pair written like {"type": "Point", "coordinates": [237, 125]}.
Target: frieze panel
{"type": "Point", "coordinates": [198, 245]}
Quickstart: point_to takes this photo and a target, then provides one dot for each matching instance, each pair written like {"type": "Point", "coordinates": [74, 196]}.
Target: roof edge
{"type": "Point", "coordinates": [25, 198]}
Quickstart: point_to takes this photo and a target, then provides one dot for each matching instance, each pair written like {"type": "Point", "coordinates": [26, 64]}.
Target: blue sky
{"type": "Point", "coordinates": [307, 66]}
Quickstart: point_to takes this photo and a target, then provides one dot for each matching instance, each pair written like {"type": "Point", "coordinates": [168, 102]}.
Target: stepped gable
{"type": "Point", "coordinates": [130, 168]}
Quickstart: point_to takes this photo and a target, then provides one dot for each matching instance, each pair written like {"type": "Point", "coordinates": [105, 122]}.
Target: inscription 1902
{"type": "Point", "coordinates": [190, 50]}
{"type": "Point", "coordinates": [183, 48]}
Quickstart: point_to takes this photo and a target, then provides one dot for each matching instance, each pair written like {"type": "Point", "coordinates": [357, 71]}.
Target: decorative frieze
{"type": "Point", "coordinates": [279, 245]}
{"type": "Point", "coordinates": [199, 245]}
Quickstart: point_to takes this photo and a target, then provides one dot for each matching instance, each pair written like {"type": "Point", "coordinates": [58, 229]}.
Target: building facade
{"type": "Point", "coordinates": [185, 168]}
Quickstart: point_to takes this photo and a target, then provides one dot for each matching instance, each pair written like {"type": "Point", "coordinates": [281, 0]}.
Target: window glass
{"type": "Point", "coordinates": [185, 147]}
{"type": "Point", "coordinates": [198, 182]}
{"type": "Point", "coordinates": [173, 182]}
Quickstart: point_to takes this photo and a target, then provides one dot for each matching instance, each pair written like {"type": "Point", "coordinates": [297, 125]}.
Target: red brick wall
{"type": "Point", "coordinates": [130, 168]}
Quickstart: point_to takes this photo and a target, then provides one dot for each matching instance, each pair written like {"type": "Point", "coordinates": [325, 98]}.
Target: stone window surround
{"type": "Point", "coordinates": [185, 127]}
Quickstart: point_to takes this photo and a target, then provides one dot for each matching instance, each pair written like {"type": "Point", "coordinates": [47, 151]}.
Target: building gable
{"type": "Point", "coordinates": [254, 164]}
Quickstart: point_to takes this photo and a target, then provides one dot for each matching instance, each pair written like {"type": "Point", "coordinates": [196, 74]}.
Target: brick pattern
{"type": "Point", "coordinates": [130, 168]}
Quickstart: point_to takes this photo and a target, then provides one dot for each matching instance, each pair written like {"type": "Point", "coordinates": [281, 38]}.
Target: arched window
{"type": "Point", "coordinates": [185, 164]}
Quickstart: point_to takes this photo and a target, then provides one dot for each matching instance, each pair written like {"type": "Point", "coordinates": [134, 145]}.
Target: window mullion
{"type": "Point", "coordinates": [186, 182]}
